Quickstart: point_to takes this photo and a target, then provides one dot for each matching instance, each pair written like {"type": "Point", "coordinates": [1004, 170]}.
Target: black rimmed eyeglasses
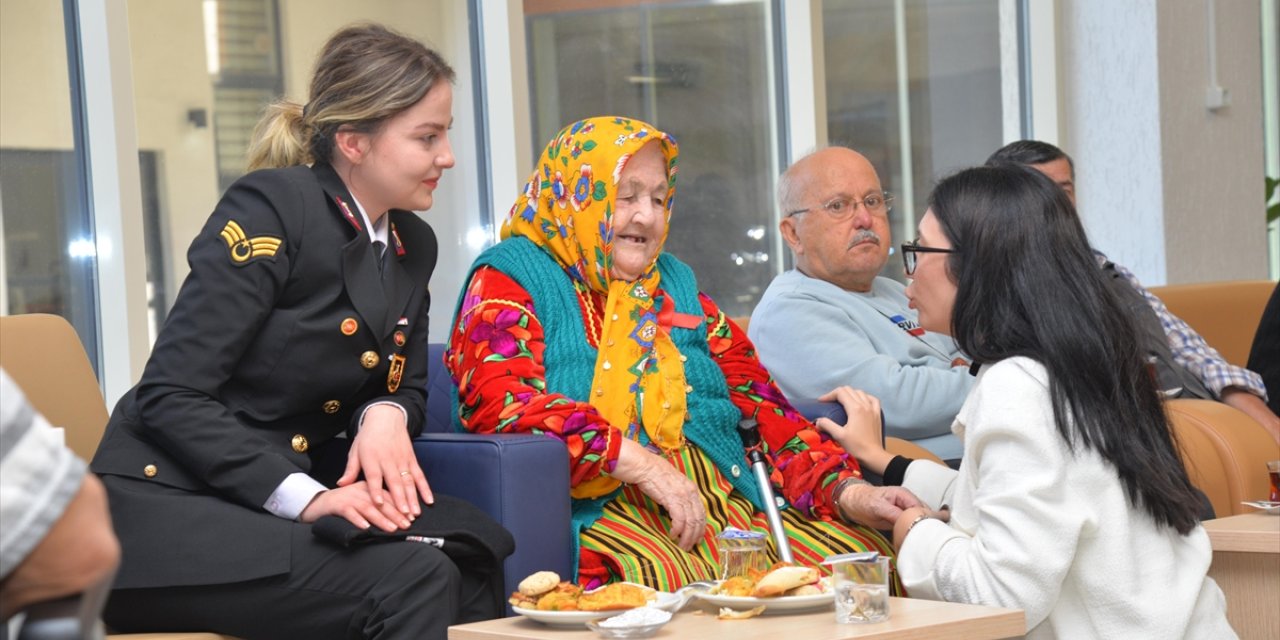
{"type": "Point", "coordinates": [910, 249]}
{"type": "Point", "coordinates": [840, 208]}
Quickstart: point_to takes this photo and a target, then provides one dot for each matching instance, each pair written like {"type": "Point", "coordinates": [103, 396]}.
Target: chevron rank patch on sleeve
{"type": "Point", "coordinates": [243, 248]}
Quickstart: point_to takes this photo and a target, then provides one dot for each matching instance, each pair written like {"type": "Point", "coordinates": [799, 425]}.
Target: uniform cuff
{"type": "Point", "coordinates": [293, 495]}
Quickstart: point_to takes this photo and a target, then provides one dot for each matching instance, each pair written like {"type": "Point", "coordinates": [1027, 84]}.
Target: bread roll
{"type": "Point", "coordinates": [784, 579]}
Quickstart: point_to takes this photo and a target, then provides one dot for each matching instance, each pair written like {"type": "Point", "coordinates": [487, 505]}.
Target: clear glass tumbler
{"type": "Point", "coordinates": [861, 582]}
{"type": "Point", "coordinates": [742, 552]}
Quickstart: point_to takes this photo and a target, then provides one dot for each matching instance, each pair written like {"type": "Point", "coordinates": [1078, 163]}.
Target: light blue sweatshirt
{"type": "Point", "coordinates": [814, 336]}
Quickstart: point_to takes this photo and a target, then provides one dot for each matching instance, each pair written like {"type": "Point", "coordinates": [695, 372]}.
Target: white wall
{"type": "Point", "coordinates": [32, 56]}
{"type": "Point", "coordinates": [1165, 187]}
{"type": "Point", "coordinates": [1215, 227]}
{"type": "Point", "coordinates": [170, 76]}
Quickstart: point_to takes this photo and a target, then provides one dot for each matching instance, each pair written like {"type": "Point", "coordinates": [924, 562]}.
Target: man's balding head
{"type": "Point", "coordinates": [848, 253]}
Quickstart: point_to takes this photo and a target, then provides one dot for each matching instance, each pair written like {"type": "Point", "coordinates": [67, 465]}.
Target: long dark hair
{"type": "Point", "coordinates": [1027, 284]}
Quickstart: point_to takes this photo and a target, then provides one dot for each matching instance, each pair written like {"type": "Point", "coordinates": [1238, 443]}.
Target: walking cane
{"type": "Point", "coordinates": [750, 433]}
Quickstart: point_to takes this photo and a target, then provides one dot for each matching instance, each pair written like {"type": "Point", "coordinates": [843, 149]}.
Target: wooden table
{"type": "Point", "coordinates": [908, 619]}
{"type": "Point", "coordinates": [1246, 564]}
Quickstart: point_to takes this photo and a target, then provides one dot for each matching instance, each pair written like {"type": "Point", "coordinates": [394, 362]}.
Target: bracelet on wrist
{"type": "Point", "coordinates": [919, 518]}
{"type": "Point", "coordinates": [839, 491]}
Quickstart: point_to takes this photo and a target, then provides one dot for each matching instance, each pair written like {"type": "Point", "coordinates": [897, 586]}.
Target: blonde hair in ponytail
{"type": "Point", "coordinates": [280, 138]}
{"type": "Point", "coordinates": [364, 75]}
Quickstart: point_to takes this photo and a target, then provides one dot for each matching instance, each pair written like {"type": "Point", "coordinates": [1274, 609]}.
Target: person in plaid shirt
{"type": "Point", "coordinates": [1203, 371]}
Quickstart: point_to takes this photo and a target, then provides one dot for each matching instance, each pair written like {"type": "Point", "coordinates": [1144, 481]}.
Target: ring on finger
{"type": "Point", "coordinates": [404, 472]}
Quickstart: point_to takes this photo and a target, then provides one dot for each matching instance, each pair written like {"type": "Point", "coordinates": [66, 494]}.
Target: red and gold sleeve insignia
{"type": "Point", "coordinates": [243, 248]}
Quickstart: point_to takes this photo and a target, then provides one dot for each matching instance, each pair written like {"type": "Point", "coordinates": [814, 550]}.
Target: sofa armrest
{"type": "Point", "coordinates": [1225, 452]}
{"type": "Point", "coordinates": [813, 409]}
{"type": "Point", "coordinates": [520, 480]}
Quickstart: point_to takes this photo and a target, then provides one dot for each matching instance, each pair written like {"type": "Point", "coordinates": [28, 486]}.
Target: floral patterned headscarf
{"type": "Point", "coordinates": [567, 209]}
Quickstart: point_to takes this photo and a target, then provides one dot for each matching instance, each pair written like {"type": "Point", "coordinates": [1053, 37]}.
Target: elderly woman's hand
{"type": "Point", "coordinates": [666, 486]}
{"type": "Point", "coordinates": [860, 435]}
{"type": "Point", "coordinates": [876, 507]}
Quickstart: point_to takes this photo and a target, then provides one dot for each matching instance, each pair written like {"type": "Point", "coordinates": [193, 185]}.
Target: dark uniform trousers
{"type": "Point", "coordinates": [283, 333]}
{"type": "Point", "coordinates": [392, 590]}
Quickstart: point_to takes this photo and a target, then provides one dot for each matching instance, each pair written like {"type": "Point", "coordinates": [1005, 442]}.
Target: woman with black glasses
{"type": "Point", "coordinates": [1071, 502]}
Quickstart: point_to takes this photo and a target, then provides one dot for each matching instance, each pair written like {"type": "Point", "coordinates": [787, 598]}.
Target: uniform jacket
{"type": "Point", "coordinates": [284, 331]}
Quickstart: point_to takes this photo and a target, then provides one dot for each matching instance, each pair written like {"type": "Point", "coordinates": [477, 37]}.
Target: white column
{"type": "Point", "coordinates": [804, 77]}
{"type": "Point", "coordinates": [504, 73]}
{"type": "Point", "coordinates": [115, 198]}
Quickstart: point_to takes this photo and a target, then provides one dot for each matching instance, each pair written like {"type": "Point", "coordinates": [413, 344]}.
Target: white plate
{"type": "Point", "coordinates": [1272, 508]}
{"type": "Point", "coordinates": [665, 602]}
{"type": "Point", "coordinates": [781, 604]}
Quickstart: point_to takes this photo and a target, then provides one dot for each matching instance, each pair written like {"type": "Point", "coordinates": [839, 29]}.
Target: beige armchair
{"type": "Point", "coordinates": [1225, 313]}
{"type": "Point", "coordinates": [43, 355]}
{"type": "Point", "coordinates": [1225, 452]}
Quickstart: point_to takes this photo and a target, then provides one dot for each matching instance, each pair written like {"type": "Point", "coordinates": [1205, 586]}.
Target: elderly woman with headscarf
{"type": "Point", "coordinates": [579, 327]}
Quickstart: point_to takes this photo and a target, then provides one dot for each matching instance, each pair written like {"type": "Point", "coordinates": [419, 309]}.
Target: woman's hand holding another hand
{"type": "Point", "coordinates": [383, 451]}
{"type": "Point", "coordinates": [861, 434]}
{"type": "Point", "coordinates": [354, 502]}
{"type": "Point", "coordinates": [666, 486]}
{"type": "Point", "coordinates": [876, 507]}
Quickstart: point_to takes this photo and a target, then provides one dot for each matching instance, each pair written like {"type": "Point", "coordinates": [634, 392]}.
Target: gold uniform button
{"type": "Point", "coordinates": [300, 443]}
{"type": "Point", "coordinates": [331, 407]}
{"type": "Point", "coordinates": [350, 326]}
{"type": "Point", "coordinates": [150, 471]}
{"type": "Point", "coordinates": [369, 359]}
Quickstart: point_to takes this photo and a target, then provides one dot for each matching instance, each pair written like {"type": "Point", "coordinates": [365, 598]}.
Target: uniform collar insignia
{"type": "Point", "coordinates": [346, 212]}
{"type": "Point", "coordinates": [395, 241]}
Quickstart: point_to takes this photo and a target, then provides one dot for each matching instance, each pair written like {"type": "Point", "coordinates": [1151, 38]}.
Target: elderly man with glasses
{"type": "Point", "coordinates": [833, 320]}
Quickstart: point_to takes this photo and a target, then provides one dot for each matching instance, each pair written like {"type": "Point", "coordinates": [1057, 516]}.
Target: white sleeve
{"type": "Point", "coordinates": [933, 483]}
{"type": "Point", "coordinates": [39, 476]}
{"type": "Point", "coordinates": [293, 495]}
{"type": "Point", "coordinates": [1018, 537]}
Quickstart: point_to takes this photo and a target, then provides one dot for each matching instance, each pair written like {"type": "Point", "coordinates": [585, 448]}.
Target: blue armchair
{"type": "Point", "coordinates": [522, 481]}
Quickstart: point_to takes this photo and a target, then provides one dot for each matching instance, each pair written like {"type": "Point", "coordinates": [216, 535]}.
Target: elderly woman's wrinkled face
{"type": "Point", "coordinates": [640, 214]}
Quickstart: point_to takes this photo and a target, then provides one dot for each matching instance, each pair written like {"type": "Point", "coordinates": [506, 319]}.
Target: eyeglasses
{"type": "Point", "coordinates": [841, 208]}
{"type": "Point", "coordinates": [910, 249]}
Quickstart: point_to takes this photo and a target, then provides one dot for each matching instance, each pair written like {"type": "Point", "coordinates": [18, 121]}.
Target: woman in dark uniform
{"type": "Point", "coordinates": [303, 320]}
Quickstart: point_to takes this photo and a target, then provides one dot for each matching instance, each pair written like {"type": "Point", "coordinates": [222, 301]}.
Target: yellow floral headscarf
{"type": "Point", "coordinates": [567, 209]}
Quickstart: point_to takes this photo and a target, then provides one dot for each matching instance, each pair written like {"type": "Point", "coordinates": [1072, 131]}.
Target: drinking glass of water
{"type": "Point", "coordinates": [861, 584]}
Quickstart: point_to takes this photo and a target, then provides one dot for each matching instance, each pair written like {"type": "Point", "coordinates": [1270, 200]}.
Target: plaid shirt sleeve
{"type": "Point", "coordinates": [1192, 352]}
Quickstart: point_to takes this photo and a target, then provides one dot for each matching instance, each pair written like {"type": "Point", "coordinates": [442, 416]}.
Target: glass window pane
{"type": "Point", "coordinates": [699, 71]}
{"type": "Point", "coordinates": [48, 253]}
{"type": "Point", "coordinates": [952, 115]}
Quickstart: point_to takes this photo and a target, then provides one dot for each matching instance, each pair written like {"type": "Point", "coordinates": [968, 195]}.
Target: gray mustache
{"type": "Point", "coordinates": [864, 235]}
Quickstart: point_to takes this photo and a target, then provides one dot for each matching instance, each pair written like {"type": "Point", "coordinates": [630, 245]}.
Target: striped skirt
{"type": "Point", "coordinates": [630, 541]}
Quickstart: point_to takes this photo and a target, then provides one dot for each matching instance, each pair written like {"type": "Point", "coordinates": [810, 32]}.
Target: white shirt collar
{"type": "Point", "coordinates": [378, 232]}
